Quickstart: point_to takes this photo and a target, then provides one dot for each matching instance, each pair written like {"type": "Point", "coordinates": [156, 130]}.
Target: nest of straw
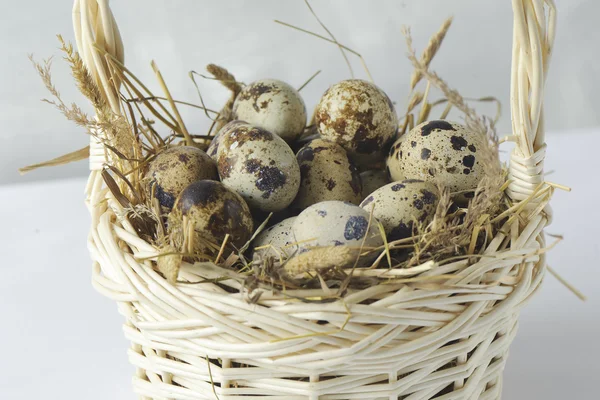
{"type": "Point", "coordinates": [148, 123]}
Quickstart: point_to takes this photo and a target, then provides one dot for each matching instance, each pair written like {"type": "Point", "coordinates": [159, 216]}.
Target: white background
{"type": "Point", "coordinates": [182, 35]}
{"type": "Point", "coordinates": [61, 340]}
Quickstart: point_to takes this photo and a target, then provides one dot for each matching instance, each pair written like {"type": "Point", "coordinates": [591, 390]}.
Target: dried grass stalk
{"type": "Point", "coordinates": [72, 112]}
{"type": "Point", "coordinates": [84, 80]}
{"type": "Point", "coordinates": [76, 155]}
{"type": "Point", "coordinates": [169, 262]}
{"type": "Point", "coordinates": [341, 46]}
{"type": "Point", "coordinates": [321, 258]}
{"type": "Point", "coordinates": [225, 78]}
{"type": "Point", "coordinates": [228, 80]}
{"type": "Point", "coordinates": [180, 123]}
{"type": "Point", "coordinates": [415, 100]}
{"type": "Point", "coordinates": [435, 42]}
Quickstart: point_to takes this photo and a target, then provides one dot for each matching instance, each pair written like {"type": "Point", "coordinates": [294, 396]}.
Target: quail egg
{"type": "Point", "coordinates": [398, 205]}
{"type": "Point", "coordinates": [175, 168]}
{"type": "Point", "coordinates": [214, 210]}
{"type": "Point", "coordinates": [260, 166]}
{"type": "Point", "coordinates": [280, 239]}
{"type": "Point", "coordinates": [357, 115]}
{"type": "Point", "coordinates": [335, 223]}
{"type": "Point", "coordinates": [327, 174]}
{"type": "Point", "coordinates": [213, 148]}
{"type": "Point", "coordinates": [272, 105]}
{"type": "Point", "coordinates": [373, 180]}
{"type": "Point", "coordinates": [439, 151]}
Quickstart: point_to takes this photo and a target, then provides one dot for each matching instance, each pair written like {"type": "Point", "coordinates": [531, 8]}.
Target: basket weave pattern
{"type": "Point", "coordinates": [198, 341]}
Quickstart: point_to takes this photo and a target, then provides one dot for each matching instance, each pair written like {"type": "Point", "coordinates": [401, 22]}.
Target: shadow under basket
{"type": "Point", "coordinates": [389, 341]}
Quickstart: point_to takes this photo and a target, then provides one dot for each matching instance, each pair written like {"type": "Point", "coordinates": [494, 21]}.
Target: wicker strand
{"type": "Point", "coordinates": [533, 39]}
{"type": "Point", "coordinates": [95, 26]}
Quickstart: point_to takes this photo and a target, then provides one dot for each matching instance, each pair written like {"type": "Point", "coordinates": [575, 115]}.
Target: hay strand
{"type": "Point", "coordinates": [312, 11]}
{"type": "Point", "coordinates": [74, 156]}
{"type": "Point", "coordinates": [180, 123]}
{"type": "Point", "coordinates": [357, 54]}
{"type": "Point", "coordinates": [566, 284]}
{"type": "Point", "coordinates": [309, 80]}
{"type": "Point", "coordinates": [321, 258]}
{"type": "Point", "coordinates": [435, 42]}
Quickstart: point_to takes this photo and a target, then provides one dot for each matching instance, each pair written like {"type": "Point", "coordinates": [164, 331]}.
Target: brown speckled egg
{"type": "Point", "coordinates": [399, 204]}
{"type": "Point", "coordinates": [215, 211]}
{"type": "Point", "coordinates": [327, 174]}
{"type": "Point", "coordinates": [439, 151]}
{"type": "Point", "coordinates": [357, 115]}
{"type": "Point", "coordinates": [373, 180]}
{"type": "Point", "coordinates": [335, 223]}
{"type": "Point", "coordinates": [175, 168]}
{"type": "Point", "coordinates": [272, 105]}
{"type": "Point", "coordinates": [279, 237]}
{"type": "Point", "coordinates": [213, 148]}
{"type": "Point", "coordinates": [260, 166]}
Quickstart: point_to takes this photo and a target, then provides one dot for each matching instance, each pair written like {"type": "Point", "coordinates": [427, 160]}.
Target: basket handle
{"type": "Point", "coordinates": [533, 39]}
{"type": "Point", "coordinates": [95, 27]}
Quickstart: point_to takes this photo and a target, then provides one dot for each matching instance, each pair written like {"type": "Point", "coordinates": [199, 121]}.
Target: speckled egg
{"type": "Point", "coordinates": [260, 166]}
{"type": "Point", "coordinates": [327, 174]}
{"type": "Point", "coordinates": [279, 237]}
{"type": "Point", "coordinates": [335, 223]}
{"type": "Point", "coordinates": [215, 211]}
{"type": "Point", "coordinates": [439, 151]}
{"type": "Point", "coordinates": [272, 105]}
{"type": "Point", "coordinates": [398, 205]}
{"type": "Point", "coordinates": [373, 180]}
{"type": "Point", "coordinates": [357, 115]}
{"type": "Point", "coordinates": [173, 169]}
{"type": "Point", "coordinates": [213, 148]}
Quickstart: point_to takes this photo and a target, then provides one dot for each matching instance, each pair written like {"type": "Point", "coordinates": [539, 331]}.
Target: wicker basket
{"type": "Point", "coordinates": [201, 342]}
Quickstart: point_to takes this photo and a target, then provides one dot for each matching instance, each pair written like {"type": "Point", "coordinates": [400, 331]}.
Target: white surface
{"type": "Point", "coordinates": [61, 340]}
{"type": "Point", "coordinates": [188, 34]}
